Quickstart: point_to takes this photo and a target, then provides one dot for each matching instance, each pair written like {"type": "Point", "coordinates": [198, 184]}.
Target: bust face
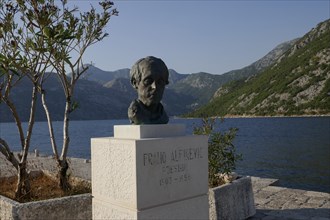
{"type": "Point", "coordinates": [151, 87]}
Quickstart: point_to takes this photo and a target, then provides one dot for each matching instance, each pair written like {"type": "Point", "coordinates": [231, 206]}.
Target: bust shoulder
{"type": "Point", "coordinates": [138, 113]}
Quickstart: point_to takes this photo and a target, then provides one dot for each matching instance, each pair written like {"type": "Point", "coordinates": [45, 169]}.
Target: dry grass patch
{"type": "Point", "coordinates": [43, 187]}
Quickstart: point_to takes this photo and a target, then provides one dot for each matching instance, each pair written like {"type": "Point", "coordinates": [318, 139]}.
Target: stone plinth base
{"type": "Point", "coordinates": [150, 171]}
{"type": "Point", "coordinates": [187, 209]}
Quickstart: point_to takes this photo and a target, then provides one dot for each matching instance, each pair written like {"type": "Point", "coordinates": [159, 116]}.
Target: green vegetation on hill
{"type": "Point", "coordinates": [298, 83]}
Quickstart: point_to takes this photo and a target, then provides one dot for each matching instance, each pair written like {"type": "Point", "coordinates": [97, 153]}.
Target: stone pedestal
{"type": "Point", "coordinates": [150, 172]}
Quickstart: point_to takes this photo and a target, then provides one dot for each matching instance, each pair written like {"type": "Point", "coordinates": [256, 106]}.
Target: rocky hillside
{"type": "Point", "coordinates": [260, 65]}
{"type": "Point", "coordinates": [297, 83]}
{"type": "Point", "coordinates": [202, 86]}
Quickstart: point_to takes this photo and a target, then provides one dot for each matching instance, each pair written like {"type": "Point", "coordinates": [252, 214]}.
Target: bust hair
{"type": "Point", "coordinates": [136, 70]}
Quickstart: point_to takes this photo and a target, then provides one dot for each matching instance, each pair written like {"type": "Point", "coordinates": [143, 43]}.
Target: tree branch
{"type": "Point", "coordinates": [5, 150]}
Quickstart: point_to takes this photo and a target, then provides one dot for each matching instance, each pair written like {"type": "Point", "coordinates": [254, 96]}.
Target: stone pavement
{"type": "Point", "coordinates": [272, 202]}
{"type": "Point", "coordinates": [276, 203]}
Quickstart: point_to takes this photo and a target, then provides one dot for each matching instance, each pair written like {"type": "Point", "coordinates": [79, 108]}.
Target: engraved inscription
{"type": "Point", "coordinates": [176, 168]}
{"type": "Point", "coordinates": [155, 158]}
{"type": "Point", "coordinates": [173, 164]}
{"type": "Point", "coordinates": [174, 179]}
{"type": "Point", "coordinates": [186, 154]}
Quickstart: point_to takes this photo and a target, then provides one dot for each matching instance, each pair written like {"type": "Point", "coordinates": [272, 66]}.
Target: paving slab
{"type": "Point", "coordinates": [275, 202]}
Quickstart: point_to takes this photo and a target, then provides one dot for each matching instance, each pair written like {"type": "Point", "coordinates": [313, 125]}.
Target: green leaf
{"type": "Point", "coordinates": [2, 71]}
{"type": "Point", "coordinates": [67, 60]}
{"type": "Point", "coordinates": [15, 72]}
{"type": "Point", "coordinates": [41, 50]}
{"type": "Point", "coordinates": [74, 106]}
{"type": "Point", "coordinates": [48, 32]}
{"type": "Point", "coordinates": [2, 58]}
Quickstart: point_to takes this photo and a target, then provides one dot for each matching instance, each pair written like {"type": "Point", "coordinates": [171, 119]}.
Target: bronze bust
{"type": "Point", "coordinates": [149, 76]}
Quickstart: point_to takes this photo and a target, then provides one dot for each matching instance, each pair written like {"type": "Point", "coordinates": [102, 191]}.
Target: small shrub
{"type": "Point", "coordinates": [221, 151]}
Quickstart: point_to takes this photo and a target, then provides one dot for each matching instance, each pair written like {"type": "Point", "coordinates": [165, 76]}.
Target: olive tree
{"type": "Point", "coordinates": [68, 33]}
{"type": "Point", "coordinates": [18, 60]}
{"type": "Point", "coordinates": [56, 37]}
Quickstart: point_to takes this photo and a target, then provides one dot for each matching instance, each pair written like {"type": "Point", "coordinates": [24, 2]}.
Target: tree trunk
{"type": "Point", "coordinates": [62, 175]}
{"type": "Point", "coordinates": [5, 150]}
{"type": "Point", "coordinates": [50, 124]}
{"type": "Point", "coordinates": [23, 184]}
{"type": "Point", "coordinates": [23, 187]}
{"type": "Point", "coordinates": [63, 164]}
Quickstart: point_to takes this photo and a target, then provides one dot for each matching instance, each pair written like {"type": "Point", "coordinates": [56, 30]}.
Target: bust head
{"type": "Point", "coordinates": [149, 76]}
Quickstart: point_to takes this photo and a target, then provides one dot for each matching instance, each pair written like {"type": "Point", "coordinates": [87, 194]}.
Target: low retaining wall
{"type": "Point", "coordinates": [232, 201]}
{"type": "Point", "coordinates": [67, 207]}
{"type": "Point", "coordinates": [70, 207]}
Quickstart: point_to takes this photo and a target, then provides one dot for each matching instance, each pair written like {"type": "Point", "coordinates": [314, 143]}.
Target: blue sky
{"type": "Point", "coordinates": [201, 36]}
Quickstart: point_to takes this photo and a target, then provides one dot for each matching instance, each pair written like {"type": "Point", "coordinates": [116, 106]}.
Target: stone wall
{"type": "Point", "coordinates": [232, 201]}
{"type": "Point", "coordinates": [70, 207]}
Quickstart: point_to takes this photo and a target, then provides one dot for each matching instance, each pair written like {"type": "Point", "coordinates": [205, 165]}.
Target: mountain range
{"type": "Point", "coordinates": [298, 83]}
{"type": "Point", "coordinates": [107, 94]}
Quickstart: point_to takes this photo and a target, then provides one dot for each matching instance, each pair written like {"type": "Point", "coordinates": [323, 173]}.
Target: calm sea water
{"type": "Point", "coordinates": [294, 150]}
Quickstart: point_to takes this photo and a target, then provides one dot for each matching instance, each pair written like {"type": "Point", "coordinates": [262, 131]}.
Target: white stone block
{"type": "Point", "coordinates": [192, 208]}
{"type": "Point", "coordinates": [148, 131]}
{"type": "Point", "coordinates": [113, 170]}
{"type": "Point", "coordinates": [140, 174]}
